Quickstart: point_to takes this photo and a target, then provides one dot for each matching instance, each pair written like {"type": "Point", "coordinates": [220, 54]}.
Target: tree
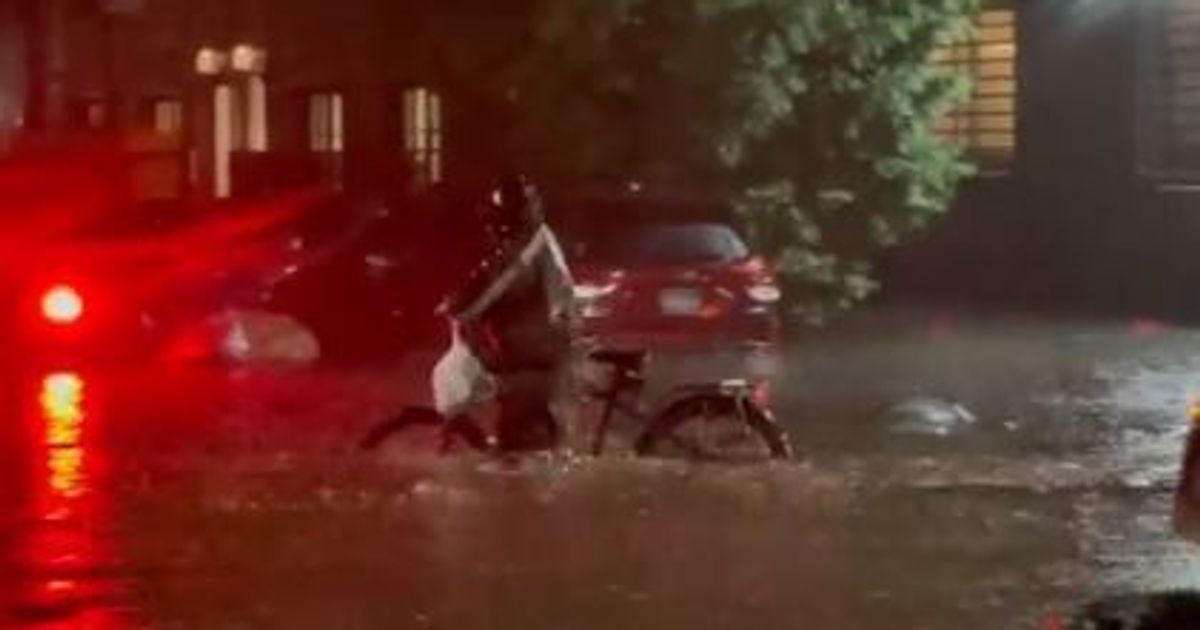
{"type": "Point", "coordinates": [819, 115]}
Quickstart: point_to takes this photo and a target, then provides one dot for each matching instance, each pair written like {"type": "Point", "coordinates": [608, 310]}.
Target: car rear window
{"type": "Point", "coordinates": [669, 245]}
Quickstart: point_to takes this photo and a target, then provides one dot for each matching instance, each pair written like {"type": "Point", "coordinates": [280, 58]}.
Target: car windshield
{"type": "Point", "coordinates": [599, 314]}
{"type": "Point", "coordinates": [670, 245]}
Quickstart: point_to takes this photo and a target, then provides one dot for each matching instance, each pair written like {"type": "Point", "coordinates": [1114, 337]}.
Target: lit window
{"type": "Point", "coordinates": [423, 133]}
{"type": "Point", "coordinates": [326, 129]}
{"type": "Point", "coordinates": [256, 114]}
{"type": "Point", "coordinates": [986, 124]}
{"type": "Point", "coordinates": [1180, 90]}
{"type": "Point", "coordinates": [226, 135]}
{"type": "Point", "coordinates": [167, 116]}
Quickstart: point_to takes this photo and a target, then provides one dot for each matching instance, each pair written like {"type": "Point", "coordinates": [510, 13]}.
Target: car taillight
{"type": "Point", "coordinates": [590, 291]}
{"type": "Point", "coordinates": [1053, 622]}
{"type": "Point", "coordinates": [62, 305]}
{"type": "Point", "coordinates": [593, 285]}
{"type": "Point", "coordinates": [764, 293]}
{"type": "Point", "coordinates": [755, 267]}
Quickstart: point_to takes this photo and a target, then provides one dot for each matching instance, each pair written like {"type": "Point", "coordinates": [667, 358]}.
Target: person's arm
{"type": "Point", "coordinates": [498, 287]}
{"type": "Point", "coordinates": [559, 283]}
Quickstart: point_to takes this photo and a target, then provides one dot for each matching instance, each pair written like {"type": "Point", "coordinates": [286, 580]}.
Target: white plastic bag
{"type": "Point", "coordinates": [460, 382]}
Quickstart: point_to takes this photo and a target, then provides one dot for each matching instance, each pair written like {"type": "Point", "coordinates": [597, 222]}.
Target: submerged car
{"type": "Point", "coordinates": [369, 273]}
{"type": "Point", "coordinates": [677, 283]}
{"type": "Point", "coordinates": [122, 285]}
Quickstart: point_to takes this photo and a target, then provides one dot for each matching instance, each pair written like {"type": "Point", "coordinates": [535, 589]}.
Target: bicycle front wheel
{"type": "Point", "coordinates": [717, 428]}
{"type": "Point", "coordinates": [418, 431]}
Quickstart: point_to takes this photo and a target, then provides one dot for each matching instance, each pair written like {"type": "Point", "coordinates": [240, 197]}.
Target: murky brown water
{"type": "Point", "coordinates": [203, 499]}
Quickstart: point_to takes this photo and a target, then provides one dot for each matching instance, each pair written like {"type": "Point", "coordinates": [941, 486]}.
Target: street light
{"type": "Point", "coordinates": [211, 62]}
{"type": "Point", "coordinates": [248, 59]}
{"type": "Point", "coordinates": [239, 105]}
{"type": "Point", "coordinates": [243, 58]}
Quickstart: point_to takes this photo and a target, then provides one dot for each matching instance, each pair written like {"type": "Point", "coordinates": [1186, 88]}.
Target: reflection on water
{"type": "Point", "coordinates": [67, 561]}
{"type": "Point", "coordinates": [61, 402]}
{"type": "Point", "coordinates": [238, 513]}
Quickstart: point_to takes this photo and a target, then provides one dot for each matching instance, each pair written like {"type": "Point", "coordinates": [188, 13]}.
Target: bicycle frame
{"type": "Point", "coordinates": [623, 393]}
{"type": "Point", "coordinates": [628, 380]}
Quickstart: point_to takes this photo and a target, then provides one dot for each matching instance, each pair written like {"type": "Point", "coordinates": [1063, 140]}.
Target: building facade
{"type": "Point", "coordinates": [1088, 146]}
{"type": "Point", "coordinates": [247, 89]}
{"type": "Point", "coordinates": [1085, 122]}
{"type": "Point", "coordinates": [12, 72]}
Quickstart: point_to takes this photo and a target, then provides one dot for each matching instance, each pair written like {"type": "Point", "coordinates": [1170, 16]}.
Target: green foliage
{"type": "Point", "coordinates": [819, 114]}
{"type": "Point", "coordinates": [621, 88]}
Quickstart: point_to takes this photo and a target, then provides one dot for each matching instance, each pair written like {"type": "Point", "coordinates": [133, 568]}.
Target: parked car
{"type": "Point", "coordinates": [371, 272]}
{"type": "Point", "coordinates": [675, 283]}
{"type": "Point", "coordinates": [370, 275]}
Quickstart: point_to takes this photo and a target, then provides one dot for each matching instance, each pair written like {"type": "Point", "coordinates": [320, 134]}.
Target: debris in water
{"type": "Point", "coordinates": [929, 417]}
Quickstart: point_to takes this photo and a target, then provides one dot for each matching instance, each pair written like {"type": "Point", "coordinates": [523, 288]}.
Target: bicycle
{"type": "Point", "coordinates": [712, 421]}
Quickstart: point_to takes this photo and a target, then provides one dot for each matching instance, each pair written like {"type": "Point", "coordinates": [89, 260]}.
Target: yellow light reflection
{"type": "Point", "coordinates": [62, 396]}
{"type": "Point", "coordinates": [62, 399]}
{"type": "Point", "coordinates": [66, 472]}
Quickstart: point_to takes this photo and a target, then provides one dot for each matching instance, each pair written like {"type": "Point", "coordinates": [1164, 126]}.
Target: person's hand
{"type": "Point", "coordinates": [568, 317]}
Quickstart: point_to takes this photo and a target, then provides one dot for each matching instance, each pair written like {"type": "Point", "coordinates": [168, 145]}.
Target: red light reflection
{"type": "Point", "coordinates": [69, 542]}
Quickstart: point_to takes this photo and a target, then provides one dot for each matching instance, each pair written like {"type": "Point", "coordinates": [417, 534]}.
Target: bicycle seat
{"type": "Point", "coordinates": [621, 359]}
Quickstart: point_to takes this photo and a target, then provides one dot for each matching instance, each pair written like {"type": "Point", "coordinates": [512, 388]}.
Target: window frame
{"type": "Point", "coordinates": [1160, 152]}
{"type": "Point", "coordinates": [330, 138]}
{"type": "Point", "coordinates": [423, 137]}
{"type": "Point", "coordinates": [153, 114]}
{"type": "Point", "coordinates": [987, 125]}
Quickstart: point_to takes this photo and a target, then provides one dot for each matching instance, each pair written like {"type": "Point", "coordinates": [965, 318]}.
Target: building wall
{"type": "Point", "coordinates": [12, 71]}
{"type": "Point", "coordinates": [1079, 222]}
{"type": "Point", "coordinates": [1080, 219]}
{"type": "Point", "coordinates": [369, 51]}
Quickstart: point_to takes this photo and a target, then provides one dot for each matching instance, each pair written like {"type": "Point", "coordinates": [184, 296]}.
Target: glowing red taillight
{"type": "Point", "coordinates": [755, 267]}
{"type": "Point", "coordinates": [62, 305]}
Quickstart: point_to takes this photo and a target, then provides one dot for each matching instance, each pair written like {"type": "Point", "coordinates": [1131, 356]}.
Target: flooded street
{"type": "Point", "coordinates": [190, 497]}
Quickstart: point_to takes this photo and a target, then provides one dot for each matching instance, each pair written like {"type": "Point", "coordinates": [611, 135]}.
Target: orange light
{"type": "Point", "coordinates": [62, 305]}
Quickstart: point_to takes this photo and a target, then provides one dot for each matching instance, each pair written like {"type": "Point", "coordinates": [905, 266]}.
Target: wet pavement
{"type": "Point", "coordinates": [179, 497]}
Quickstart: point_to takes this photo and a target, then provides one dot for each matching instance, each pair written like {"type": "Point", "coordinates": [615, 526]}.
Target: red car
{"type": "Point", "coordinates": [689, 283]}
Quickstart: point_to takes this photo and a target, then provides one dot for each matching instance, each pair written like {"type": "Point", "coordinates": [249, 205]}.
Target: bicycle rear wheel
{"type": "Point", "coordinates": [715, 427]}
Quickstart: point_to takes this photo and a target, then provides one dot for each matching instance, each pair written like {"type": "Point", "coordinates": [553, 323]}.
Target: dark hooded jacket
{"type": "Point", "coordinates": [516, 307]}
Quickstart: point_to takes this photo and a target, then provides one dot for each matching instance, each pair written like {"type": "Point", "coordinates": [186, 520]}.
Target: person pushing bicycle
{"type": "Point", "coordinates": [514, 313]}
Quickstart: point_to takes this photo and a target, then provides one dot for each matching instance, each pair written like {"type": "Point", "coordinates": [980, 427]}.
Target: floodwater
{"type": "Point", "coordinates": [180, 497]}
